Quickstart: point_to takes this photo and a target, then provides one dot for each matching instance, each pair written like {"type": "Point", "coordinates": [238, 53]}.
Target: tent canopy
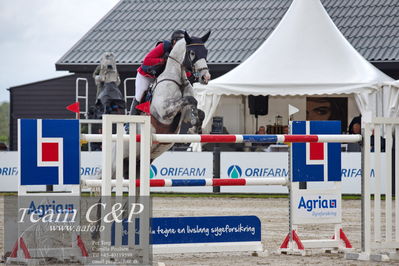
{"type": "Point", "coordinates": [305, 55]}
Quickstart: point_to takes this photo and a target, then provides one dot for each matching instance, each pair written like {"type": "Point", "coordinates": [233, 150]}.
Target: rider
{"type": "Point", "coordinates": [153, 65]}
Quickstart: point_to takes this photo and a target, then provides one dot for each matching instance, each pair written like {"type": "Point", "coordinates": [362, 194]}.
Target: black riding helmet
{"type": "Point", "coordinates": [177, 35]}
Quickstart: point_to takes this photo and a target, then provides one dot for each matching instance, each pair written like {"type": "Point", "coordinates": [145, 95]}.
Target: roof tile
{"type": "Point", "coordinates": [239, 27]}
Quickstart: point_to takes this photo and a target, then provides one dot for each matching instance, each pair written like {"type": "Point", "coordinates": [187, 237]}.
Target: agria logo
{"type": "Point", "coordinates": [153, 171]}
{"type": "Point", "coordinates": [317, 203]}
{"type": "Point", "coordinates": [234, 171]}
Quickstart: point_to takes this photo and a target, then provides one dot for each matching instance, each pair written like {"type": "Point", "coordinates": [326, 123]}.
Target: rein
{"type": "Point", "coordinates": [174, 59]}
{"type": "Point", "coordinates": [181, 86]}
{"type": "Point", "coordinates": [172, 80]}
{"type": "Point", "coordinates": [182, 66]}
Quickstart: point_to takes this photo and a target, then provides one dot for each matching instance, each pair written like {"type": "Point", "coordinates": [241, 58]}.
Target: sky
{"type": "Point", "coordinates": [34, 34]}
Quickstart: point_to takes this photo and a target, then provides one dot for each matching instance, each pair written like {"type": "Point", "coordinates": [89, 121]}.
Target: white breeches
{"type": "Point", "coordinates": [142, 84]}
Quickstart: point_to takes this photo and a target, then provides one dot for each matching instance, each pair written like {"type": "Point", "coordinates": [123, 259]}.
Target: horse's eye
{"type": "Point", "coordinates": [192, 53]}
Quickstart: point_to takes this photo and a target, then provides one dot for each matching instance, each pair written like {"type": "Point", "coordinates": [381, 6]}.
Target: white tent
{"type": "Point", "coordinates": [305, 55]}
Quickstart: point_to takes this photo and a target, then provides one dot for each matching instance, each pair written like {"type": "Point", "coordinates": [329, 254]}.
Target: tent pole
{"type": "Point", "coordinates": [256, 124]}
{"type": "Point", "coordinates": [244, 99]}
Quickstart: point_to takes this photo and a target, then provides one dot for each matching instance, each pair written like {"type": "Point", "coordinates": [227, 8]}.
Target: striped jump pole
{"type": "Point", "coordinates": [206, 182]}
{"type": "Point", "coordinates": [188, 138]}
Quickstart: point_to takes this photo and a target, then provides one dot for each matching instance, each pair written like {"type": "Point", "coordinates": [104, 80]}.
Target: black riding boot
{"type": "Point", "coordinates": [133, 110]}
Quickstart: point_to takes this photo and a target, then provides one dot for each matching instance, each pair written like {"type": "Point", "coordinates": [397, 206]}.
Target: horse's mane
{"type": "Point", "coordinates": [179, 50]}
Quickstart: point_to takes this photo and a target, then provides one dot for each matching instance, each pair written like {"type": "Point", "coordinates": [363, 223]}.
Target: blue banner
{"type": "Point", "coordinates": [209, 229]}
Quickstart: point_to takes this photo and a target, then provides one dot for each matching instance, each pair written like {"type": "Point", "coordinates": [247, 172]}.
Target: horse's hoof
{"type": "Point", "coordinates": [192, 130]}
{"type": "Point", "coordinates": [126, 126]}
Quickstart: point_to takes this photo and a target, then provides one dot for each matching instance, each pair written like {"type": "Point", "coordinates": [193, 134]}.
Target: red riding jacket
{"type": "Point", "coordinates": [154, 62]}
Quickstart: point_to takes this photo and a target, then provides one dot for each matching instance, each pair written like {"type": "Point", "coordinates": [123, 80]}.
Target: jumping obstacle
{"type": "Point", "coordinates": [369, 244]}
{"type": "Point", "coordinates": [292, 243]}
{"type": "Point", "coordinates": [49, 152]}
{"type": "Point", "coordinates": [380, 241]}
{"type": "Point", "coordinates": [143, 124]}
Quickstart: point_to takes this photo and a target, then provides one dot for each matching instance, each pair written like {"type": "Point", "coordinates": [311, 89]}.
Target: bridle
{"type": "Point", "coordinates": [187, 64]}
{"type": "Point", "coordinates": [187, 60]}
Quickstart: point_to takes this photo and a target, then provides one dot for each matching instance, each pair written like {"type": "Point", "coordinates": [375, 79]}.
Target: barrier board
{"type": "Point", "coordinates": [250, 163]}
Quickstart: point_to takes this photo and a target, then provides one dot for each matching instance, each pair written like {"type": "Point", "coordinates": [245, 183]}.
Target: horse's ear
{"type": "Point", "coordinates": [205, 37]}
{"type": "Point", "coordinates": [187, 38]}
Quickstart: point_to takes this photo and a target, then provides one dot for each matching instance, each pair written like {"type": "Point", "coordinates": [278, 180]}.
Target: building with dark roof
{"type": "Point", "coordinates": [42, 99]}
{"type": "Point", "coordinates": [239, 27]}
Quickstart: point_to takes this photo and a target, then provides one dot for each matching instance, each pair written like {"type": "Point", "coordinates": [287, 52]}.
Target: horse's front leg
{"type": "Point", "coordinates": [201, 117]}
{"type": "Point", "coordinates": [193, 116]}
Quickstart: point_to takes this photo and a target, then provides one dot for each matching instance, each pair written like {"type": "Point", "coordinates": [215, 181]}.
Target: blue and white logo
{"type": "Point", "coordinates": [316, 161]}
{"type": "Point", "coordinates": [234, 171]}
{"type": "Point", "coordinates": [49, 152]}
{"type": "Point", "coordinates": [153, 171]}
{"type": "Point", "coordinates": [176, 172]}
{"type": "Point", "coordinates": [319, 203]}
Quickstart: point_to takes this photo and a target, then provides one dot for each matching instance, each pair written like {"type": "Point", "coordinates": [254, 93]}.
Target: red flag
{"type": "Point", "coordinates": [145, 107]}
{"type": "Point", "coordinates": [75, 107]}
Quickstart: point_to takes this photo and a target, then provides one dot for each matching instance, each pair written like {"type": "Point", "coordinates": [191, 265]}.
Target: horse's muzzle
{"type": "Point", "coordinates": [205, 78]}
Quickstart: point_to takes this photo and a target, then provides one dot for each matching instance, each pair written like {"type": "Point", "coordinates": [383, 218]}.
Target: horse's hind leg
{"type": "Point", "coordinates": [126, 168]}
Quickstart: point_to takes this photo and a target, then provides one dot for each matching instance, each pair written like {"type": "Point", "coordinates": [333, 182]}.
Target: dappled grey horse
{"type": "Point", "coordinates": [173, 101]}
{"type": "Point", "coordinates": [173, 98]}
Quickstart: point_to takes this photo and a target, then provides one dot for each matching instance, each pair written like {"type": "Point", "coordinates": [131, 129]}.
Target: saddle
{"type": "Point", "coordinates": [147, 96]}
